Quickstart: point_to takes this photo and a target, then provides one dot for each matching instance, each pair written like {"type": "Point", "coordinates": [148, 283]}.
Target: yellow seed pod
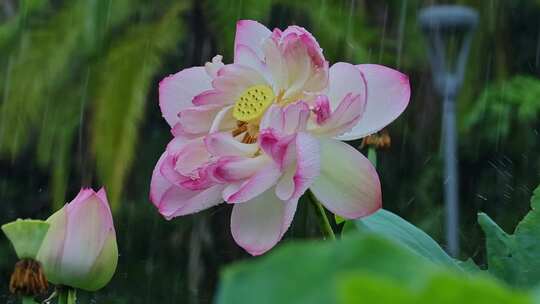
{"type": "Point", "coordinates": [252, 104]}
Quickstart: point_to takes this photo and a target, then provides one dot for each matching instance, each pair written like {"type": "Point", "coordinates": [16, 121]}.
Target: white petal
{"type": "Point", "coordinates": [251, 34]}
{"type": "Point", "coordinates": [254, 186]}
{"type": "Point", "coordinates": [177, 91]}
{"type": "Point", "coordinates": [260, 223]}
{"type": "Point", "coordinates": [344, 79]}
{"type": "Point", "coordinates": [178, 201]}
{"type": "Point", "coordinates": [348, 185]}
{"type": "Point", "coordinates": [388, 96]}
{"type": "Point", "coordinates": [224, 144]}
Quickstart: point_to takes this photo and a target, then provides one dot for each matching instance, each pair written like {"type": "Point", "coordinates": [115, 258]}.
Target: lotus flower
{"type": "Point", "coordinates": [259, 132]}
{"type": "Point", "coordinates": [79, 249]}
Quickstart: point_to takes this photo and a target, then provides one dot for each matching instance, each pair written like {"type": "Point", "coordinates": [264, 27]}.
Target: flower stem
{"type": "Point", "coordinates": [324, 223]}
{"type": "Point", "coordinates": [28, 300]}
{"type": "Point", "coordinates": [67, 295]}
{"type": "Point", "coordinates": [372, 156]}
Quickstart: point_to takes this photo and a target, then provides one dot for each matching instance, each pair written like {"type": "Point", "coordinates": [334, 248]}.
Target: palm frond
{"type": "Point", "coordinates": [124, 80]}
{"type": "Point", "coordinates": [45, 84]}
{"type": "Point", "coordinates": [36, 67]}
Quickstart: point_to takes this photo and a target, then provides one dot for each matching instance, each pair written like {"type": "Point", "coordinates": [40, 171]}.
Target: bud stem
{"type": "Point", "coordinates": [326, 228]}
{"type": "Point", "coordinates": [372, 156]}
{"type": "Point", "coordinates": [28, 300]}
{"type": "Point", "coordinates": [67, 295]}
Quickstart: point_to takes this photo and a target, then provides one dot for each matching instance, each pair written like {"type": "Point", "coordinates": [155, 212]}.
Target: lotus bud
{"type": "Point", "coordinates": [80, 249]}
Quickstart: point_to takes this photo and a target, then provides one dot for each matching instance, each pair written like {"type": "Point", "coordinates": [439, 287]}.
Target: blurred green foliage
{"type": "Point", "coordinates": [505, 108]}
{"type": "Point", "coordinates": [394, 227]}
{"type": "Point", "coordinates": [515, 258]}
{"type": "Point", "coordinates": [385, 259]}
{"type": "Point", "coordinates": [78, 106]}
{"type": "Point", "coordinates": [442, 288]}
{"type": "Point", "coordinates": [307, 272]}
{"type": "Point", "coordinates": [356, 269]}
{"type": "Point", "coordinates": [125, 73]}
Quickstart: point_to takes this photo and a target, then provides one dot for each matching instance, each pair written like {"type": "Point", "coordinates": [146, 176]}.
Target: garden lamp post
{"type": "Point", "coordinates": [443, 24]}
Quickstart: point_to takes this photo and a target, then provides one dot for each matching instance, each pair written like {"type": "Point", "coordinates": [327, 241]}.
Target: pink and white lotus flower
{"type": "Point", "coordinates": [259, 132]}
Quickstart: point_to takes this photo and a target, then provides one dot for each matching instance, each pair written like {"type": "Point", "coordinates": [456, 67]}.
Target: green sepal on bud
{"type": "Point", "coordinates": [26, 236]}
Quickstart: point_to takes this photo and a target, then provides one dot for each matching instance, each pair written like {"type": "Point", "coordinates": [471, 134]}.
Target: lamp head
{"type": "Point", "coordinates": [442, 24]}
{"type": "Point", "coordinates": [448, 18]}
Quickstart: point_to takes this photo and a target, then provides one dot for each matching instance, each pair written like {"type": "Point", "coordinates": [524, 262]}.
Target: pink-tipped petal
{"type": "Point", "coordinates": [81, 197]}
{"type": "Point", "coordinates": [234, 169]}
{"type": "Point", "coordinates": [295, 117]}
{"type": "Point", "coordinates": [199, 179]}
{"type": "Point", "coordinates": [295, 61]}
{"type": "Point", "coordinates": [299, 68]}
{"type": "Point", "coordinates": [275, 62]}
{"type": "Point", "coordinates": [224, 120]}
{"type": "Point", "coordinates": [198, 119]}
{"type": "Point", "coordinates": [287, 120]}
{"type": "Point", "coordinates": [213, 97]}
{"type": "Point", "coordinates": [177, 91]}
{"type": "Point", "coordinates": [343, 118]}
{"type": "Point", "coordinates": [273, 118]}
{"type": "Point", "coordinates": [294, 33]}
{"type": "Point", "coordinates": [245, 56]}
{"type": "Point", "coordinates": [51, 251]}
{"type": "Point", "coordinates": [178, 131]}
{"type": "Point", "coordinates": [234, 79]}
{"type": "Point", "coordinates": [195, 176]}
{"type": "Point", "coordinates": [318, 80]}
{"type": "Point", "coordinates": [285, 185]}
{"type": "Point", "coordinates": [254, 186]}
{"type": "Point", "coordinates": [310, 75]}
{"type": "Point", "coordinates": [213, 67]}
{"type": "Point", "coordinates": [290, 210]}
{"type": "Point", "coordinates": [259, 224]}
{"type": "Point", "coordinates": [279, 147]}
{"type": "Point", "coordinates": [88, 226]}
{"type": "Point", "coordinates": [388, 95]}
{"type": "Point", "coordinates": [178, 201]}
{"type": "Point", "coordinates": [192, 156]}
{"type": "Point", "coordinates": [223, 144]}
{"type": "Point", "coordinates": [308, 163]}
{"type": "Point", "coordinates": [159, 184]}
{"type": "Point", "coordinates": [301, 173]}
{"type": "Point", "coordinates": [168, 171]}
{"type": "Point", "coordinates": [322, 109]}
{"type": "Point", "coordinates": [251, 34]}
{"type": "Point", "coordinates": [348, 185]}
{"type": "Point", "coordinates": [177, 143]}
{"type": "Point", "coordinates": [345, 79]}
{"type": "Point", "coordinates": [102, 194]}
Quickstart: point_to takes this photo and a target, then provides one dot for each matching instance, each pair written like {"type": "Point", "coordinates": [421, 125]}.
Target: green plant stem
{"type": "Point", "coordinates": [324, 223]}
{"type": "Point", "coordinates": [67, 295]}
{"type": "Point", "coordinates": [28, 300]}
{"type": "Point", "coordinates": [372, 156]}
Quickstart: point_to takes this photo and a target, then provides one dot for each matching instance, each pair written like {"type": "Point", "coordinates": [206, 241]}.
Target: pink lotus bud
{"type": "Point", "coordinates": [80, 247]}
